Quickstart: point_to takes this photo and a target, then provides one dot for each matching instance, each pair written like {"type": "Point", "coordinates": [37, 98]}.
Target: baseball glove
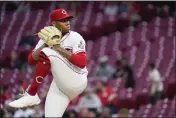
{"type": "Point", "coordinates": [50, 35]}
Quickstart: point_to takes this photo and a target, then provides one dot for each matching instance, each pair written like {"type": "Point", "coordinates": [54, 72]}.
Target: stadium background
{"type": "Point", "coordinates": [139, 31]}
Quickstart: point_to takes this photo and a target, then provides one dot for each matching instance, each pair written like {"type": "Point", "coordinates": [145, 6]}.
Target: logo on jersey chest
{"type": "Point", "coordinates": [68, 49]}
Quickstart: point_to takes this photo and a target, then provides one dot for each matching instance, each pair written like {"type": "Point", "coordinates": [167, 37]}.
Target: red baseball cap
{"type": "Point", "coordinates": [59, 14]}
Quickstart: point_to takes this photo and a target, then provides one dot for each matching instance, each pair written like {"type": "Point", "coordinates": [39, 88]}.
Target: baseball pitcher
{"type": "Point", "coordinates": [61, 52]}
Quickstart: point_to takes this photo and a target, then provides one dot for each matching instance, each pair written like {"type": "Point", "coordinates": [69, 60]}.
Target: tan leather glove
{"type": "Point", "coordinates": [50, 35]}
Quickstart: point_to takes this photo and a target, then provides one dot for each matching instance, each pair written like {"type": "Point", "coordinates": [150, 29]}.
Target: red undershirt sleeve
{"type": "Point", "coordinates": [79, 59]}
{"type": "Point", "coordinates": [31, 61]}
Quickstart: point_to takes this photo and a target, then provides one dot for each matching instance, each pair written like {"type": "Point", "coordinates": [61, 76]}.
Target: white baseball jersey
{"type": "Point", "coordinates": [74, 43]}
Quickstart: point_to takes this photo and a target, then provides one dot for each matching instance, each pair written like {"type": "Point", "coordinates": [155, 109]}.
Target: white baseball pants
{"type": "Point", "coordinates": [66, 85]}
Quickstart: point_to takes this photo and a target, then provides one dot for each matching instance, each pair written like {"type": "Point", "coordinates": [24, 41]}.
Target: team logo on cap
{"type": "Point", "coordinates": [64, 12]}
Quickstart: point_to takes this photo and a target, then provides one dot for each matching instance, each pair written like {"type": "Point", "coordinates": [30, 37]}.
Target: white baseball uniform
{"type": "Point", "coordinates": [69, 80]}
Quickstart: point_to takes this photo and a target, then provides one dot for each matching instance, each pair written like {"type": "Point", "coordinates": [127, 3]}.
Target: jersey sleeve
{"type": "Point", "coordinates": [39, 44]}
{"type": "Point", "coordinates": [80, 46]}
